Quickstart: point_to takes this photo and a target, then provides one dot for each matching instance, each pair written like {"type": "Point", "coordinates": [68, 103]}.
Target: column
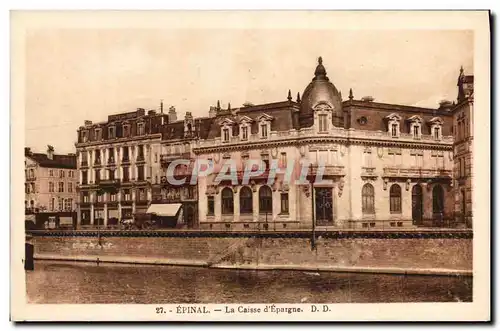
{"type": "Point", "coordinates": [91, 209]}
{"type": "Point", "coordinates": [217, 207]}
{"type": "Point", "coordinates": [133, 201]}
{"type": "Point", "coordinates": [105, 214]}
{"type": "Point", "coordinates": [255, 203]}
{"type": "Point", "coordinates": [119, 205]}
{"type": "Point", "coordinates": [236, 207]}
{"type": "Point", "coordinates": [78, 216]}
{"type": "Point", "coordinates": [104, 159]}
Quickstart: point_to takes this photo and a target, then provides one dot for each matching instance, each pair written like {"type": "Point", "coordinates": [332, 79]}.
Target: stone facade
{"type": "Point", "coordinates": [387, 165]}
{"type": "Point", "coordinates": [463, 133]}
{"type": "Point", "coordinates": [50, 181]}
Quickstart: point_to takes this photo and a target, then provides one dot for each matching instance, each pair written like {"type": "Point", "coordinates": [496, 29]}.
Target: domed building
{"type": "Point", "coordinates": [321, 97]}
{"type": "Point", "coordinates": [323, 162]}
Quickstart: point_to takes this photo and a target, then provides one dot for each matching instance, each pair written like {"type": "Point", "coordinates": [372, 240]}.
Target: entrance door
{"type": "Point", "coordinates": [324, 205]}
{"type": "Point", "coordinates": [417, 204]}
{"type": "Point", "coordinates": [189, 216]}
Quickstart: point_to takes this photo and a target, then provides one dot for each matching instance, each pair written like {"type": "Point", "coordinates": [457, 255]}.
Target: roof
{"type": "Point", "coordinates": [58, 161]}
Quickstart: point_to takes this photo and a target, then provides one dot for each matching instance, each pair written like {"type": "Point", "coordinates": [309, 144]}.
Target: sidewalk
{"type": "Point", "coordinates": [305, 267]}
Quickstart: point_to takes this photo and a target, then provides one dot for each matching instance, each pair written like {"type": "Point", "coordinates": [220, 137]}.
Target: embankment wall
{"type": "Point", "coordinates": [405, 253]}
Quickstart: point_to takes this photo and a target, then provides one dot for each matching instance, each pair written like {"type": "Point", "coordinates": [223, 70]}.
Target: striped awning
{"type": "Point", "coordinates": [164, 209]}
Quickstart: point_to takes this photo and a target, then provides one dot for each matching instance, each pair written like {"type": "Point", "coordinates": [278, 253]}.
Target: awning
{"type": "Point", "coordinates": [166, 209]}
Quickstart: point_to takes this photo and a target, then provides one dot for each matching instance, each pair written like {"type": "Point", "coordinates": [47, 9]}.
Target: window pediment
{"type": "Point", "coordinates": [265, 118]}
{"type": "Point", "coordinates": [393, 117]}
{"type": "Point", "coordinates": [226, 122]}
{"type": "Point", "coordinates": [436, 120]}
{"type": "Point", "coordinates": [245, 120]}
{"type": "Point", "coordinates": [323, 106]}
{"type": "Point", "coordinates": [415, 119]}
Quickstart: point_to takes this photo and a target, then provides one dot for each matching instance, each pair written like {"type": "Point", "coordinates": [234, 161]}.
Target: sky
{"type": "Point", "coordinates": [73, 75]}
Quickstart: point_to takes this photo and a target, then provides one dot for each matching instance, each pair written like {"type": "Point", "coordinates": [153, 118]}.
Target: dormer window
{"type": "Point", "coordinates": [436, 128]}
{"type": "Point", "coordinates": [226, 130]}
{"type": "Point", "coordinates": [140, 129]}
{"type": "Point", "coordinates": [245, 124]}
{"type": "Point", "coordinates": [111, 132]}
{"type": "Point", "coordinates": [393, 121]}
{"type": "Point", "coordinates": [263, 130]}
{"type": "Point", "coordinates": [415, 126]}
{"type": "Point", "coordinates": [264, 125]}
{"type": "Point", "coordinates": [225, 134]}
{"type": "Point", "coordinates": [323, 122]}
{"type": "Point", "coordinates": [85, 137]}
{"type": "Point", "coordinates": [98, 134]}
{"type": "Point", "coordinates": [394, 130]}
{"type": "Point", "coordinates": [244, 133]}
{"type": "Point", "coordinates": [126, 130]}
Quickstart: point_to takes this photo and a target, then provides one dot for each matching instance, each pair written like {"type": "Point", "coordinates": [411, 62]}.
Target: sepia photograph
{"type": "Point", "coordinates": [220, 167]}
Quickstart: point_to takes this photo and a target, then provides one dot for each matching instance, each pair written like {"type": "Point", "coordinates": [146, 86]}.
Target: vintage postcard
{"type": "Point", "coordinates": [250, 166]}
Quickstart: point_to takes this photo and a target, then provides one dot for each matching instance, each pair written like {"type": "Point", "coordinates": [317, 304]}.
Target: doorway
{"type": "Point", "coordinates": [417, 204]}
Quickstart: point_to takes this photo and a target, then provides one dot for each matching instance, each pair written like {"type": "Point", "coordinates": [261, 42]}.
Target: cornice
{"type": "Point", "coordinates": [124, 141]}
{"type": "Point", "coordinates": [299, 141]}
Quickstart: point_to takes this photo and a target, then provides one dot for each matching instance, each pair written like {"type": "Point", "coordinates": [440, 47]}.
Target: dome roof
{"type": "Point", "coordinates": [320, 89]}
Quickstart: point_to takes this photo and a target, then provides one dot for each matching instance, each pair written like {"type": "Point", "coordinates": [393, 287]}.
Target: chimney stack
{"type": "Point", "coordinates": [172, 115]}
{"type": "Point", "coordinates": [50, 152]}
{"type": "Point", "coordinates": [212, 112]}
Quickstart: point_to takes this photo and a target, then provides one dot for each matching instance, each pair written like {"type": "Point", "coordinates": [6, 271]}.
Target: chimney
{"type": "Point", "coordinates": [27, 151]}
{"type": "Point", "coordinates": [445, 104]}
{"type": "Point", "coordinates": [151, 112]}
{"type": "Point", "coordinates": [172, 115]}
{"type": "Point", "coordinates": [87, 122]}
{"type": "Point", "coordinates": [50, 152]}
{"type": "Point", "coordinates": [367, 99]}
{"type": "Point", "coordinates": [212, 112]}
{"type": "Point", "coordinates": [140, 112]}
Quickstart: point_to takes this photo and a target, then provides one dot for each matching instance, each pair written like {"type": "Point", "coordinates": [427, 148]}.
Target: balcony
{"type": "Point", "coordinates": [396, 172]}
{"type": "Point", "coordinates": [125, 160]}
{"type": "Point", "coordinates": [111, 161]}
{"type": "Point", "coordinates": [140, 158]}
{"type": "Point", "coordinates": [165, 159]}
{"type": "Point", "coordinates": [109, 182]}
{"type": "Point", "coordinates": [329, 170]}
{"type": "Point", "coordinates": [368, 173]}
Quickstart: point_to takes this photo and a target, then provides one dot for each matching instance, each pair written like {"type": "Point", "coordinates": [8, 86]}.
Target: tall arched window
{"type": "Point", "coordinates": [265, 200]}
{"type": "Point", "coordinates": [437, 199]}
{"type": "Point", "coordinates": [227, 201]}
{"type": "Point", "coordinates": [368, 199]}
{"type": "Point", "coordinates": [246, 203]}
{"type": "Point", "coordinates": [395, 198]}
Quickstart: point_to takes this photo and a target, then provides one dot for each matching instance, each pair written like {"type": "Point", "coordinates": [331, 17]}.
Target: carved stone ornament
{"type": "Point", "coordinates": [408, 182]}
{"type": "Point", "coordinates": [254, 186]}
{"type": "Point", "coordinates": [306, 190]}
{"type": "Point", "coordinates": [235, 189]}
{"type": "Point", "coordinates": [341, 187]}
{"type": "Point", "coordinates": [285, 187]}
{"type": "Point", "coordinates": [274, 152]}
{"type": "Point", "coordinates": [450, 156]}
{"type": "Point", "coordinates": [342, 150]}
{"type": "Point", "coordinates": [429, 184]}
{"type": "Point", "coordinates": [302, 150]}
{"type": "Point", "coordinates": [385, 183]}
{"type": "Point", "coordinates": [380, 152]}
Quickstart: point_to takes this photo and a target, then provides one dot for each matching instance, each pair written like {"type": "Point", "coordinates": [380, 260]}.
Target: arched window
{"type": "Point", "coordinates": [395, 198]}
{"type": "Point", "coordinates": [368, 199]}
{"type": "Point", "coordinates": [437, 199]}
{"type": "Point", "coordinates": [227, 201]}
{"type": "Point", "coordinates": [246, 203]}
{"type": "Point", "coordinates": [265, 200]}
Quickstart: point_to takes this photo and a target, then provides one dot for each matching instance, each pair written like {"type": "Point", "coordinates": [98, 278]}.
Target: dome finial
{"type": "Point", "coordinates": [289, 95]}
{"type": "Point", "coordinates": [351, 96]}
{"type": "Point", "coordinates": [298, 97]}
{"type": "Point", "coordinates": [320, 72]}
